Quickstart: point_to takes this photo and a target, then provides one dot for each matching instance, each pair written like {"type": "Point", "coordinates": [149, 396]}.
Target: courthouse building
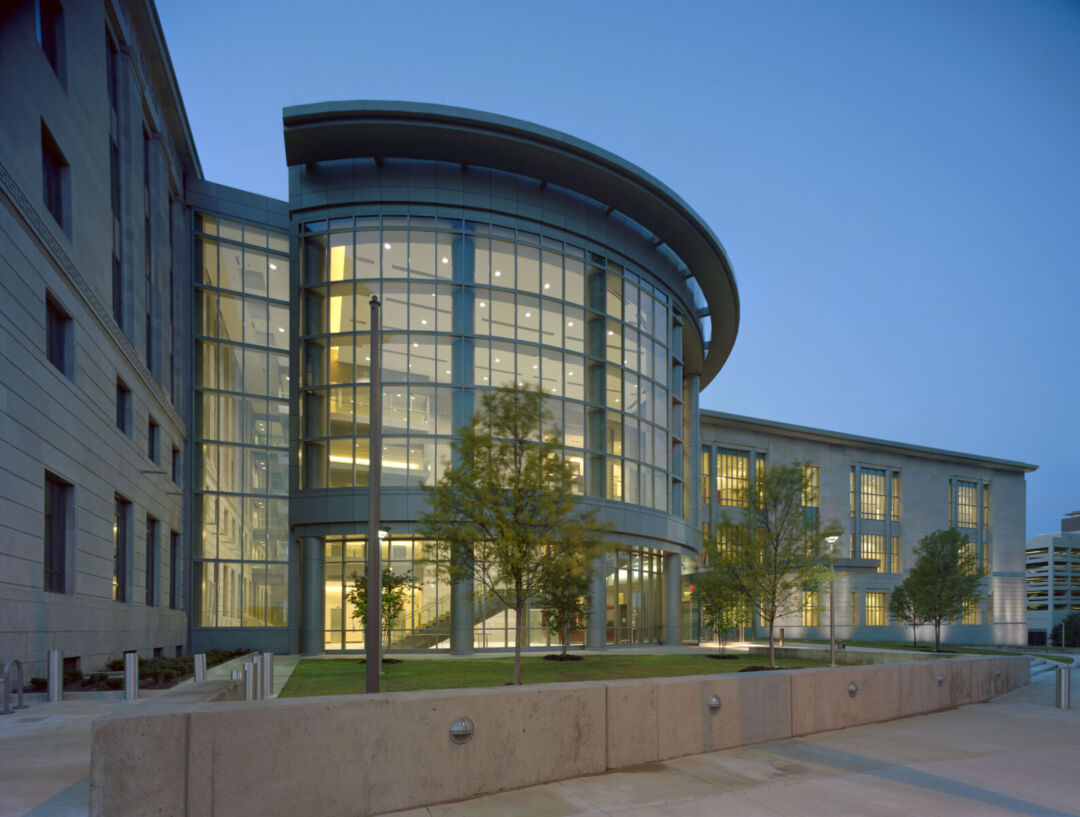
{"type": "Point", "coordinates": [185, 370]}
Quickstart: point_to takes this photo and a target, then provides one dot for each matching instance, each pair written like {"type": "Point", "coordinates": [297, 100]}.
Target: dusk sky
{"type": "Point", "coordinates": [897, 184]}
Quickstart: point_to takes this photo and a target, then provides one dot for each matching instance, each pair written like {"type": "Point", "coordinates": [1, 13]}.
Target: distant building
{"type": "Point", "coordinates": [185, 372]}
{"type": "Point", "coordinates": [1053, 578]}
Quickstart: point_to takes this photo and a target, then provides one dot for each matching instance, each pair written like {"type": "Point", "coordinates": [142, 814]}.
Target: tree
{"type": "Point", "coordinates": [394, 587]}
{"type": "Point", "coordinates": [772, 548]}
{"type": "Point", "coordinates": [1067, 632]}
{"type": "Point", "coordinates": [565, 591]}
{"type": "Point", "coordinates": [945, 575]}
{"type": "Point", "coordinates": [505, 515]}
{"type": "Point", "coordinates": [902, 608]}
{"type": "Point", "coordinates": [722, 608]}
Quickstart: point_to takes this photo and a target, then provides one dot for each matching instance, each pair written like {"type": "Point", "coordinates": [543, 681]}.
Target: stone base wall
{"type": "Point", "coordinates": [370, 754]}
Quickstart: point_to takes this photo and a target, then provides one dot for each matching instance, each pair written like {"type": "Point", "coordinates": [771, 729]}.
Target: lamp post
{"type": "Point", "coordinates": [373, 630]}
{"type": "Point", "coordinates": [831, 542]}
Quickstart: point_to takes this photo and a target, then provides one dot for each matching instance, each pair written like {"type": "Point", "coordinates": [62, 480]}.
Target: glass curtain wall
{"type": "Point", "coordinates": [634, 581]}
{"type": "Point", "coordinates": [425, 619]}
{"type": "Point", "coordinates": [241, 424]}
{"type": "Point", "coordinates": [467, 307]}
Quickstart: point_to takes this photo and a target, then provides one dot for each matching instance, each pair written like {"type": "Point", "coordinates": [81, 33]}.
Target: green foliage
{"type": "Point", "coordinates": [946, 572]}
{"type": "Point", "coordinates": [902, 608]}
{"type": "Point", "coordinates": [773, 547]}
{"type": "Point", "coordinates": [394, 588]}
{"type": "Point", "coordinates": [504, 515]}
{"type": "Point", "coordinates": [564, 594]}
{"type": "Point", "coordinates": [722, 607]}
{"type": "Point", "coordinates": [1069, 629]}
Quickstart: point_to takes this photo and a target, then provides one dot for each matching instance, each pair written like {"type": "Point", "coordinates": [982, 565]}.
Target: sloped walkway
{"type": "Point", "coordinates": [1013, 755]}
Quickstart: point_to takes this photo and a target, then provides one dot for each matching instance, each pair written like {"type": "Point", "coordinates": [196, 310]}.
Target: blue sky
{"type": "Point", "coordinates": [897, 184]}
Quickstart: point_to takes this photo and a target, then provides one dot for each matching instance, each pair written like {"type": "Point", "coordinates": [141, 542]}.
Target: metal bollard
{"type": "Point", "coordinates": [131, 676]}
{"type": "Point", "coordinates": [249, 682]}
{"type": "Point", "coordinates": [256, 685]}
{"type": "Point", "coordinates": [200, 667]}
{"type": "Point", "coordinates": [56, 676]}
{"type": "Point", "coordinates": [267, 674]}
{"type": "Point", "coordinates": [1062, 693]}
{"type": "Point", "coordinates": [6, 688]}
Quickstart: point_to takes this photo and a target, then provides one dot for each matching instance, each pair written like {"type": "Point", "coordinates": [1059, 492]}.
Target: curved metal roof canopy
{"type": "Point", "coordinates": [409, 130]}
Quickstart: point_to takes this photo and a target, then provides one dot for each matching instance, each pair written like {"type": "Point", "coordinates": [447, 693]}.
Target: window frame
{"type": "Point", "coordinates": [124, 411]}
{"type": "Point", "coordinates": [57, 549]}
{"type": "Point", "coordinates": [59, 336]}
{"type": "Point", "coordinates": [55, 180]}
{"type": "Point", "coordinates": [122, 518]}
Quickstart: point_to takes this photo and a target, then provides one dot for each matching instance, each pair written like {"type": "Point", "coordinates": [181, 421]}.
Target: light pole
{"type": "Point", "coordinates": [831, 542]}
{"type": "Point", "coordinates": [373, 629]}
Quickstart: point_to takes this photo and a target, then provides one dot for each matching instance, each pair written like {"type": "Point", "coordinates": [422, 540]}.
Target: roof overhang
{"type": "Point", "coordinates": [409, 130]}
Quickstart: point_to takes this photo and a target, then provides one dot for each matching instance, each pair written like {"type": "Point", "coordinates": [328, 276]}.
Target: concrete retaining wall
{"type": "Point", "coordinates": [370, 754]}
{"type": "Point", "coordinates": [847, 657]}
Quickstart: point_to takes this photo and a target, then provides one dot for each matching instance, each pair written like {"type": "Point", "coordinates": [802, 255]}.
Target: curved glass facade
{"type": "Point", "coordinates": [469, 306]}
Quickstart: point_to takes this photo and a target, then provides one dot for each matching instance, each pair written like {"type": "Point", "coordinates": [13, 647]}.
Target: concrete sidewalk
{"type": "Point", "coordinates": [1014, 755]}
{"type": "Point", "coordinates": [45, 749]}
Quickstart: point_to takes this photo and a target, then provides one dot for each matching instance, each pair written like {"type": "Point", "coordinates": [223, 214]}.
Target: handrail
{"type": "Point", "coordinates": [7, 708]}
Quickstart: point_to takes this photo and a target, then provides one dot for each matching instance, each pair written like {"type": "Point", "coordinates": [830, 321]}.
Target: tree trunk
{"type": "Point", "coordinates": [937, 636]}
{"type": "Point", "coordinates": [772, 652]}
{"type": "Point", "coordinates": [518, 611]}
{"type": "Point", "coordinates": [915, 636]}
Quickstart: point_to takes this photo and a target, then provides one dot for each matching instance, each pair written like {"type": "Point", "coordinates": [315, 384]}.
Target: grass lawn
{"type": "Point", "coordinates": [345, 676]}
{"type": "Point", "coordinates": [946, 649]}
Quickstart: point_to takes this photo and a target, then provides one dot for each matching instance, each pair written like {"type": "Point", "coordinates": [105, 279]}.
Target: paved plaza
{"type": "Point", "coordinates": [1014, 755]}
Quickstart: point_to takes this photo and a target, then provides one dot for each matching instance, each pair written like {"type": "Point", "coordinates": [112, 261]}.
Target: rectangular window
{"type": "Point", "coordinates": [854, 609]}
{"type": "Point", "coordinates": [58, 495]}
{"type": "Point", "coordinates": [151, 561]}
{"type": "Point", "coordinates": [897, 497]}
{"type": "Point", "coordinates": [59, 340]}
{"type": "Point", "coordinates": [851, 491]}
{"type": "Point", "coordinates": [986, 506]}
{"type": "Point", "coordinates": [872, 546]}
{"type": "Point", "coordinates": [872, 494]}
{"type": "Point", "coordinates": [811, 609]}
{"type": "Point", "coordinates": [811, 486]}
{"type": "Point", "coordinates": [175, 467]}
{"type": "Point", "coordinates": [895, 565]}
{"type": "Point", "coordinates": [971, 611]}
{"type": "Point", "coordinates": [55, 180]}
{"type": "Point", "coordinates": [732, 477]}
{"type": "Point", "coordinates": [49, 24]}
{"type": "Point", "coordinates": [967, 505]}
{"type": "Point", "coordinates": [989, 608]}
{"type": "Point", "coordinates": [153, 441]}
{"type": "Point", "coordinates": [876, 609]}
{"type": "Point", "coordinates": [123, 407]}
{"type": "Point", "coordinates": [988, 560]}
{"type": "Point", "coordinates": [174, 570]}
{"type": "Point", "coordinates": [121, 547]}
{"type": "Point", "coordinates": [706, 475]}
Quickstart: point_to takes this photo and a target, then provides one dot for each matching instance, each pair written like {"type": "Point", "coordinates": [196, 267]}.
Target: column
{"type": "Point", "coordinates": [313, 603]}
{"type": "Point", "coordinates": [692, 473]}
{"type": "Point", "coordinates": [596, 622]}
{"type": "Point", "coordinates": [461, 617]}
{"type": "Point", "coordinates": [672, 599]}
